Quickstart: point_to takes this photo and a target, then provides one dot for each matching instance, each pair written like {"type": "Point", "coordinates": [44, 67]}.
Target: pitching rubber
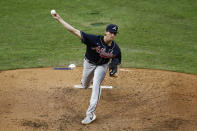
{"type": "Point", "coordinates": [79, 86]}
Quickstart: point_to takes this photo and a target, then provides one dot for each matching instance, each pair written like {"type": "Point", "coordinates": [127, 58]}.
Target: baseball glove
{"type": "Point", "coordinates": [113, 67]}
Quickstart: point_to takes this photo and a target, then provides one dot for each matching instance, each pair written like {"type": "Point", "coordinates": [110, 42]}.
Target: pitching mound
{"type": "Point", "coordinates": [45, 99]}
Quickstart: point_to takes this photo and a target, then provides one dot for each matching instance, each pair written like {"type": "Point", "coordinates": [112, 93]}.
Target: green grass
{"type": "Point", "coordinates": [153, 34]}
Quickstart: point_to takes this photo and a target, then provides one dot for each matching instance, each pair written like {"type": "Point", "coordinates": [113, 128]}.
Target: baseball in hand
{"type": "Point", "coordinates": [53, 12]}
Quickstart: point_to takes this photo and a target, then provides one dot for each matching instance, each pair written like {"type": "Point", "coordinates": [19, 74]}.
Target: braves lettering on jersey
{"type": "Point", "coordinates": [97, 51]}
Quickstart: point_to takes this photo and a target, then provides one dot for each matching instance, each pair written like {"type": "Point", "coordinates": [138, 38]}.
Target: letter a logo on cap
{"type": "Point", "coordinates": [114, 28]}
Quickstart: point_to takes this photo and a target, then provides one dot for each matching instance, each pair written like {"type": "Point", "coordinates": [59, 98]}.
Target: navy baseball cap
{"type": "Point", "coordinates": [112, 28]}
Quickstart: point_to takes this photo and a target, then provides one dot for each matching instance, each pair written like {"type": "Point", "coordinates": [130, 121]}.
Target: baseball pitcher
{"type": "Point", "coordinates": [102, 52]}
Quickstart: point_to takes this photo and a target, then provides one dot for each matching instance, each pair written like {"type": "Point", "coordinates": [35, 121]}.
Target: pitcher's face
{"type": "Point", "coordinates": [110, 35]}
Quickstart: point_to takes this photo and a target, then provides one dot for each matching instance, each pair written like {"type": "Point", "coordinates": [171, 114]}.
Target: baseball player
{"type": "Point", "coordinates": [101, 52]}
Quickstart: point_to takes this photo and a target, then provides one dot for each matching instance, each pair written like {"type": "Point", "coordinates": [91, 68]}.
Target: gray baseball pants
{"type": "Point", "coordinates": [97, 74]}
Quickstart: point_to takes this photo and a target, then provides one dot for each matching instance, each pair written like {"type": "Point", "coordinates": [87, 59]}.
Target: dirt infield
{"type": "Point", "coordinates": [44, 99]}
